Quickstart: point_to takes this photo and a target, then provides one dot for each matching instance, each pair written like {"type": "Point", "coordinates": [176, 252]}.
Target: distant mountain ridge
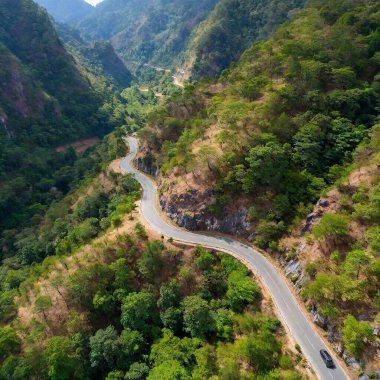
{"type": "Point", "coordinates": [203, 38]}
{"type": "Point", "coordinates": [99, 56]}
{"type": "Point", "coordinates": [231, 27]}
{"type": "Point", "coordinates": [68, 11]}
{"type": "Point", "coordinates": [150, 31]}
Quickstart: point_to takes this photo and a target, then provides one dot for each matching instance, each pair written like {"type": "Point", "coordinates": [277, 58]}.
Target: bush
{"type": "Point", "coordinates": [332, 226]}
{"type": "Point", "coordinates": [9, 342]}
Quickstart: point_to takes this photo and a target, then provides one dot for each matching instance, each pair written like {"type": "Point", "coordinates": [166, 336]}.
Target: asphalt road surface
{"type": "Point", "coordinates": [290, 312]}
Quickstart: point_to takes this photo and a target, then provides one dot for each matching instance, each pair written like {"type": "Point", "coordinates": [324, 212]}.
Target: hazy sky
{"type": "Point", "coordinates": [94, 2]}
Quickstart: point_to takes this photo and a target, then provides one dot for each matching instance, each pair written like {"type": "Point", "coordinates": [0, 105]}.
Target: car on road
{"type": "Point", "coordinates": [326, 357]}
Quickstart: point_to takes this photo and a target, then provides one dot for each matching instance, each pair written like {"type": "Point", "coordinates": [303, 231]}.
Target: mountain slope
{"type": "Point", "coordinates": [27, 34]}
{"type": "Point", "coordinates": [68, 11]}
{"type": "Point", "coordinates": [252, 152]}
{"type": "Point", "coordinates": [290, 97]}
{"type": "Point", "coordinates": [151, 31]}
{"type": "Point", "coordinates": [95, 58]}
{"type": "Point", "coordinates": [45, 101]}
{"type": "Point", "coordinates": [231, 28]}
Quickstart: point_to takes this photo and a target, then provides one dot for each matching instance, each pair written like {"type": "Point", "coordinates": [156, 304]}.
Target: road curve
{"type": "Point", "coordinates": [291, 314]}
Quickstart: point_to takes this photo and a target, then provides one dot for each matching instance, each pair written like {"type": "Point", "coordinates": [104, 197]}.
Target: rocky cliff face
{"type": "Point", "coordinates": [192, 208]}
{"type": "Point", "coordinates": [147, 167]}
{"type": "Point", "coordinates": [190, 211]}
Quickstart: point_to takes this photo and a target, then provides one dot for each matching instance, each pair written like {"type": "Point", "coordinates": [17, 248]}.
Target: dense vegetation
{"type": "Point", "coordinates": [136, 309]}
{"type": "Point", "coordinates": [47, 99]}
{"type": "Point", "coordinates": [57, 98]}
{"type": "Point", "coordinates": [278, 129]}
{"type": "Point", "coordinates": [280, 125]}
{"type": "Point", "coordinates": [49, 227]}
{"type": "Point", "coordinates": [273, 132]}
{"type": "Point", "coordinates": [151, 31]}
{"type": "Point", "coordinates": [344, 278]}
{"type": "Point", "coordinates": [230, 29]}
{"type": "Point", "coordinates": [98, 59]}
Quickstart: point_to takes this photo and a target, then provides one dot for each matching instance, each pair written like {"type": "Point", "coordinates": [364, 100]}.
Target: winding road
{"type": "Point", "coordinates": [290, 312]}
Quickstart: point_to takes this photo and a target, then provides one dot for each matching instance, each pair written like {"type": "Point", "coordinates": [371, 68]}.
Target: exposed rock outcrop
{"type": "Point", "coordinates": [147, 167]}
{"type": "Point", "coordinates": [181, 210]}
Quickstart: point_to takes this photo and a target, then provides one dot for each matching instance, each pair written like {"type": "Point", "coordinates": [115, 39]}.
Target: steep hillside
{"type": "Point", "coordinates": [251, 153]}
{"type": "Point", "coordinates": [232, 27]}
{"type": "Point", "coordinates": [277, 127]}
{"type": "Point", "coordinates": [45, 100]}
{"type": "Point", "coordinates": [335, 256]}
{"type": "Point", "coordinates": [151, 31]}
{"type": "Point", "coordinates": [68, 11]}
{"type": "Point", "coordinates": [29, 37]}
{"type": "Point", "coordinates": [129, 305]}
{"type": "Point", "coordinates": [95, 58]}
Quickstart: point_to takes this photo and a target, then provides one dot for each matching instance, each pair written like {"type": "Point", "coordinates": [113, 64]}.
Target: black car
{"type": "Point", "coordinates": [327, 359]}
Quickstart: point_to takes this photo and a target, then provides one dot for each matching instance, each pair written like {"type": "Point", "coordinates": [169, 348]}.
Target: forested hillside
{"type": "Point", "coordinates": [149, 32]}
{"type": "Point", "coordinates": [251, 153]}
{"type": "Point", "coordinates": [338, 247]}
{"type": "Point", "coordinates": [68, 11]}
{"type": "Point", "coordinates": [283, 122]}
{"type": "Point", "coordinates": [45, 100]}
{"type": "Point", "coordinates": [131, 306]}
{"type": "Point", "coordinates": [96, 58]}
{"type": "Point", "coordinates": [232, 27]}
{"type": "Point", "coordinates": [276, 141]}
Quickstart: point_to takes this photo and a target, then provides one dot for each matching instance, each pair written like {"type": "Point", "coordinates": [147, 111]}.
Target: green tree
{"type": "Point", "coordinates": [137, 371]}
{"type": "Point", "coordinates": [104, 302]}
{"type": "Point", "coordinates": [171, 318]}
{"type": "Point", "coordinates": [308, 146]}
{"type": "Point", "coordinates": [267, 165]}
{"type": "Point", "coordinates": [116, 221]}
{"type": "Point", "coordinates": [115, 375]}
{"type": "Point", "coordinates": [104, 349]}
{"type": "Point", "coordinates": [355, 262]}
{"type": "Point", "coordinates": [356, 335]}
{"type": "Point", "coordinates": [131, 344]}
{"type": "Point", "coordinates": [88, 281]}
{"type": "Point", "coordinates": [170, 347]}
{"type": "Point", "coordinates": [122, 274]}
{"type": "Point", "coordinates": [169, 295]}
{"type": "Point", "coordinates": [206, 365]}
{"type": "Point", "coordinates": [242, 290]}
{"type": "Point", "coordinates": [261, 351]}
{"type": "Point", "coordinates": [207, 155]}
{"type": "Point", "coordinates": [223, 324]}
{"type": "Point", "coordinates": [150, 263]}
{"type": "Point", "coordinates": [140, 231]}
{"type": "Point", "coordinates": [42, 305]}
{"type": "Point", "coordinates": [325, 287]}
{"type": "Point", "coordinates": [61, 359]}
{"type": "Point", "coordinates": [9, 342]}
{"type": "Point", "coordinates": [139, 312]}
{"type": "Point", "coordinates": [171, 369]}
{"type": "Point", "coordinates": [197, 317]}
{"type": "Point", "coordinates": [204, 260]}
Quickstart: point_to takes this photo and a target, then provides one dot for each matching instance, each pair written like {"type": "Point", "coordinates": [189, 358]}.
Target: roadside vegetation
{"type": "Point", "coordinates": [135, 308]}
{"type": "Point", "coordinates": [277, 130]}
{"type": "Point", "coordinates": [343, 274]}
{"type": "Point", "coordinates": [282, 124]}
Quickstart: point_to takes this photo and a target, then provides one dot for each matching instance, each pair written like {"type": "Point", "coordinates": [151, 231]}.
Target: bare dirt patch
{"type": "Point", "coordinates": [79, 146]}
